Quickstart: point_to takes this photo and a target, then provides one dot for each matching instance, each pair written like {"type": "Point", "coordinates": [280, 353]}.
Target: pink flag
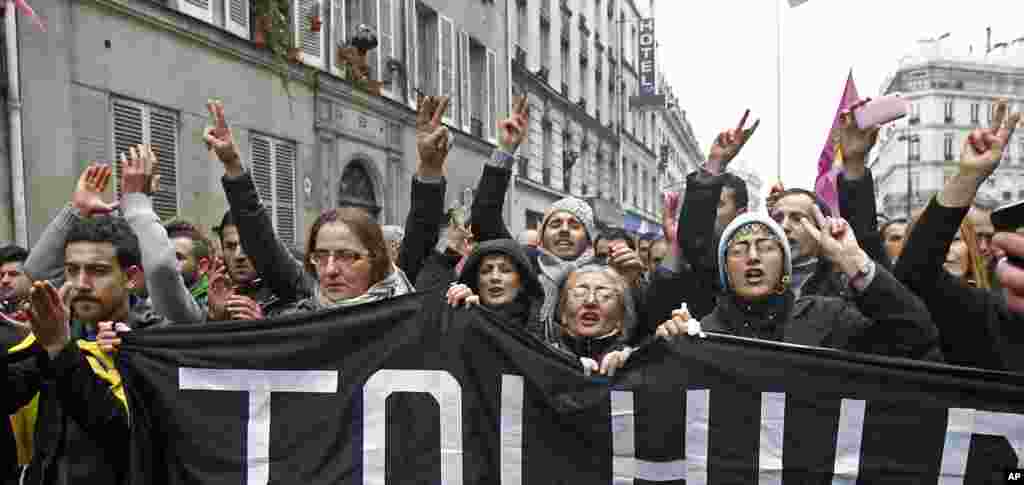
{"type": "Point", "coordinates": [828, 172]}
{"type": "Point", "coordinates": [26, 9]}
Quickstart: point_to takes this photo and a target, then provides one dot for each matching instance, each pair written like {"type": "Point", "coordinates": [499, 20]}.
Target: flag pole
{"type": "Point", "coordinates": [778, 89]}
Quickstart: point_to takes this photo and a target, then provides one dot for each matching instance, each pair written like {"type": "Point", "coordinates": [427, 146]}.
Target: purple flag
{"type": "Point", "coordinates": [828, 172]}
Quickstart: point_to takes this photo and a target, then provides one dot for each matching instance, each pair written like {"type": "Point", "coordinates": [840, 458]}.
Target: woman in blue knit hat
{"type": "Point", "coordinates": [755, 268]}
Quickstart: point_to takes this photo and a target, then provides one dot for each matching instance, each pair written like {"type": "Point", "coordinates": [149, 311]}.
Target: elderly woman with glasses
{"type": "Point", "coordinates": [596, 318]}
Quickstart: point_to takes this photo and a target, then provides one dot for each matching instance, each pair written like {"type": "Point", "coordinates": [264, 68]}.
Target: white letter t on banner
{"type": "Point", "coordinates": [259, 384]}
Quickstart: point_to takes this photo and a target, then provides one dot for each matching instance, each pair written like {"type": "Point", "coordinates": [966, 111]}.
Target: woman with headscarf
{"type": "Point", "coordinates": [755, 270]}
{"type": "Point", "coordinates": [498, 276]}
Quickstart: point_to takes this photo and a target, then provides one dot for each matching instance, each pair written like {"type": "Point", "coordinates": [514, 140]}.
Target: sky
{"type": "Point", "coordinates": [720, 58]}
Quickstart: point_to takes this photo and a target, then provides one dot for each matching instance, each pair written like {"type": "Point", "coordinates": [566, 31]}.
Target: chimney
{"type": "Point", "coordinates": [988, 40]}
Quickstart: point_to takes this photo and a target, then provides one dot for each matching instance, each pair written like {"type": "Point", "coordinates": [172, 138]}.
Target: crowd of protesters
{"type": "Point", "coordinates": [935, 288]}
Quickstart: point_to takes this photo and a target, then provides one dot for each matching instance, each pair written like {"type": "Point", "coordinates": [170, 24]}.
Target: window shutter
{"type": "Point", "coordinates": [236, 17]}
{"type": "Point", "coordinates": [467, 124]}
{"type": "Point", "coordinates": [411, 51]}
{"type": "Point", "coordinates": [338, 36]}
{"type": "Point", "coordinates": [200, 9]}
{"type": "Point", "coordinates": [163, 136]}
{"type": "Point", "coordinates": [284, 187]}
{"type": "Point", "coordinates": [444, 60]}
{"type": "Point", "coordinates": [261, 168]}
{"type": "Point", "coordinates": [370, 17]}
{"type": "Point", "coordinates": [386, 22]}
{"type": "Point", "coordinates": [128, 132]}
{"type": "Point", "coordinates": [310, 43]}
{"type": "Point", "coordinates": [491, 97]}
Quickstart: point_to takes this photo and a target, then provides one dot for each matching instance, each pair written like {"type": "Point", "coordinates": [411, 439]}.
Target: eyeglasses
{"type": "Point", "coordinates": [602, 295]}
{"type": "Point", "coordinates": [742, 249]}
{"type": "Point", "coordinates": [345, 257]}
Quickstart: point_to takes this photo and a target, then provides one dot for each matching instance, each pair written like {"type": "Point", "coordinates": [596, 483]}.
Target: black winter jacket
{"type": "Point", "coordinates": [884, 319]}
{"type": "Point", "coordinates": [976, 327]}
{"type": "Point", "coordinates": [21, 382]}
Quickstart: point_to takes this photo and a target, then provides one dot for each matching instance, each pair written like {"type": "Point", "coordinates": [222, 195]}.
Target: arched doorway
{"type": "Point", "coordinates": [356, 189]}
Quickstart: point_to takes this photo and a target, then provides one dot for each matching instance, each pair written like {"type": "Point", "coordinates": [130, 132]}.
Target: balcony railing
{"type": "Point", "coordinates": [543, 73]}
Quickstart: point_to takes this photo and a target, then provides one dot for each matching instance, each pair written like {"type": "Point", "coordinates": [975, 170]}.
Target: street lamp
{"type": "Point", "coordinates": [910, 139]}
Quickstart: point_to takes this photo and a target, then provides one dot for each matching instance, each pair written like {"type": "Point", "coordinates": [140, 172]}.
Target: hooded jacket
{"type": "Point", "coordinates": [885, 318]}
{"type": "Point", "coordinates": [524, 309]}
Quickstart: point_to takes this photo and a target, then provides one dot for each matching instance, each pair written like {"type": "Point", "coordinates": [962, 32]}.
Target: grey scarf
{"type": "Point", "coordinates": [553, 271]}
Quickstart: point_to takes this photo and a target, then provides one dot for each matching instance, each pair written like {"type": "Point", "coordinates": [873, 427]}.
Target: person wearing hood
{"type": "Point", "coordinates": [756, 270]}
{"type": "Point", "coordinates": [498, 276]}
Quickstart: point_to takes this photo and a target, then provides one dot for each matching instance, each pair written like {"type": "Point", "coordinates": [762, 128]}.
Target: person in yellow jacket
{"type": "Point", "coordinates": [21, 383]}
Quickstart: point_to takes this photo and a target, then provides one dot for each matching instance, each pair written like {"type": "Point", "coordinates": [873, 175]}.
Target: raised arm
{"type": "Point", "coordinates": [271, 258]}
{"type": "Point", "coordinates": [46, 259]}
{"type": "Point", "coordinates": [857, 187]}
{"type": "Point", "coordinates": [423, 223]}
{"type": "Point", "coordinates": [488, 207]}
{"type": "Point", "coordinates": [167, 290]}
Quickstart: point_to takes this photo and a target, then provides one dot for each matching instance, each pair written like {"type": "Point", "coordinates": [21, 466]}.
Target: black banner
{"type": "Point", "coordinates": [405, 391]}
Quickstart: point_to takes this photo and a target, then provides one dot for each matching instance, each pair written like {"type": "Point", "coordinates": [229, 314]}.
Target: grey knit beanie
{"type": "Point", "coordinates": [579, 208]}
{"type": "Point", "coordinates": [392, 233]}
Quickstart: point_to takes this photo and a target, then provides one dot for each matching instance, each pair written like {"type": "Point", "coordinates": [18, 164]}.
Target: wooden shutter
{"type": "Point", "coordinates": [310, 43]}
{"type": "Point", "coordinates": [491, 98]}
{"type": "Point", "coordinates": [261, 168]}
{"type": "Point", "coordinates": [370, 17]}
{"type": "Point", "coordinates": [284, 191]}
{"type": "Point", "coordinates": [200, 9]}
{"type": "Point", "coordinates": [465, 72]}
{"type": "Point", "coordinates": [273, 172]}
{"type": "Point", "coordinates": [163, 136]}
{"type": "Point", "coordinates": [338, 35]}
{"type": "Point", "coordinates": [386, 21]}
{"type": "Point", "coordinates": [411, 51]}
{"type": "Point", "coordinates": [128, 131]}
{"type": "Point", "coordinates": [445, 60]}
{"type": "Point", "coordinates": [236, 17]}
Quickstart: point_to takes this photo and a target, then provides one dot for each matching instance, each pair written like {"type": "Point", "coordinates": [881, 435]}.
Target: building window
{"type": "Point", "coordinates": [523, 26]}
{"type": "Point", "coordinates": [427, 33]}
{"type": "Point", "coordinates": [200, 9]}
{"type": "Point", "coordinates": [272, 164]}
{"type": "Point", "coordinates": [948, 146]}
{"type": "Point", "coordinates": [1007, 196]}
{"type": "Point", "coordinates": [545, 51]}
{"type": "Point", "coordinates": [975, 113]}
{"type": "Point", "coordinates": [534, 219]}
{"type": "Point", "coordinates": [948, 110]}
{"type": "Point", "coordinates": [915, 114]}
{"type": "Point", "coordinates": [547, 150]}
{"type": "Point", "coordinates": [236, 17]}
{"type": "Point", "coordinates": [378, 14]}
{"type": "Point", "coordinates": [915, 149]}
{"type": "Point", "coordinates": [136, 123]}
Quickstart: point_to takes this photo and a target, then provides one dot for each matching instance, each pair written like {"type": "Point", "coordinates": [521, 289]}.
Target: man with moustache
{"type": "Point", "coordinates": [81, 433]}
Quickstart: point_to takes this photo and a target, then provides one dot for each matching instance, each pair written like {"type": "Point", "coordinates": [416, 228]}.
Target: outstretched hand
{"type": "Point", "coordinates": [137, 171]}
{"type": "Point", "coordinates": [50, 317]}
{"type": "Point", "coordinates": [729, 143]}
{"type": "Point", "coordinates": [669, 217]}
{"type": "Point", "coordinates": [220, 290]}
{"type": "Point", "coordinates": [835, 237]}
{"type": "Point", "coordinates": [431, 136]}
{"type": "Point", "coordinates": [513, 130]}
{"type": "Point", "coordinates": [88, 196]}
{"type": "Point", "coordinates": [220, 141]}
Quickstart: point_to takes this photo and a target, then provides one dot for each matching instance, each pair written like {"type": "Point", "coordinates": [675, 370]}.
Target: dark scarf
{"type": "Point", "coordinates": [591, 347]}
{"type": "Point", "coordinates": [764, 319]}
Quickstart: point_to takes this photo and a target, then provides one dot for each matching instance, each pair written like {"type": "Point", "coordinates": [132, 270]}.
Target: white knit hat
{"type": "Point", "coordinates": [579, 208]}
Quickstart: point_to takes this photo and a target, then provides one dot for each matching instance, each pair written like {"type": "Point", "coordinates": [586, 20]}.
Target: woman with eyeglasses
{"type": "Point", "coordinates": [346, 259]}
{"type": "Point", "coordinates": [755, 271]}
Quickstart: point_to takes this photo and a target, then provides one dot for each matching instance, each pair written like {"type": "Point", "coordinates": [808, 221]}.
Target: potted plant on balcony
{"type": "Point", "coordinates": [274, 32]}
{"type": "Point", "coordinates": [315, 21]}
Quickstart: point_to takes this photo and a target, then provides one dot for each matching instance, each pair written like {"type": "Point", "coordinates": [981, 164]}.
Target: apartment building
{"type": "Point", "coordinates": [576, 60]}
{"type": "Point", "coordinates": [108, 74]}
{"type": "Point", "coordinates": [950, 95]}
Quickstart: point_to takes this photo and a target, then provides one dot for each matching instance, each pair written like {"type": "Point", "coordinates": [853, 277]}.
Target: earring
{"type": "Point", "coordinates": [783, 284]}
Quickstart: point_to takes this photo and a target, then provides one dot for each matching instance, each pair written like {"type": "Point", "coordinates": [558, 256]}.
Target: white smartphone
{"type": "Point", "coordinates": [881, 111]}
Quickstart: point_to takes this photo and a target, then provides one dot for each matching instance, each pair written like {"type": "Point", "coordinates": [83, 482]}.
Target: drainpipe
{"type": "Point", "coordinates": [14, 113]}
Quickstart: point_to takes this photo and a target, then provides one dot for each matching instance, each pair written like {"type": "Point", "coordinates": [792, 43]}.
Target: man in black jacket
{"type": "Point", "coordinates": [977, 328]}
{"type": "Point", "coordinates": [21, 382]}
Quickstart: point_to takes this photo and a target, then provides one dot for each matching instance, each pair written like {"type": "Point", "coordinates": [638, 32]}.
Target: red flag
{"type": "Point", "coordinates": [828, 172]}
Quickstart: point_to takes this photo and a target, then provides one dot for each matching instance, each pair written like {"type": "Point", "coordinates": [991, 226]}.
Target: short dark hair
{"type": "Point", "coordinates": [108, 229]}
{"type": "Point", "coordinates": [13, 253]}
{"type": "Point", "coordinates": [825, 211]}
{"type": "Point", "coordinates": [615, 233]}
{"type": "Point", "coordinates": [898, 220]}
{"type": "Point", "coordinates": [739, 189]}
{"type": "Point", "coordinates": [227, 220]}
{"type": "Point", "coordinates": [200, 245]}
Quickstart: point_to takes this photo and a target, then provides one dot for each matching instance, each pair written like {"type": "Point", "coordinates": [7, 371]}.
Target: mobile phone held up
{"type": "Point", "coordinates": [881, 111]}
